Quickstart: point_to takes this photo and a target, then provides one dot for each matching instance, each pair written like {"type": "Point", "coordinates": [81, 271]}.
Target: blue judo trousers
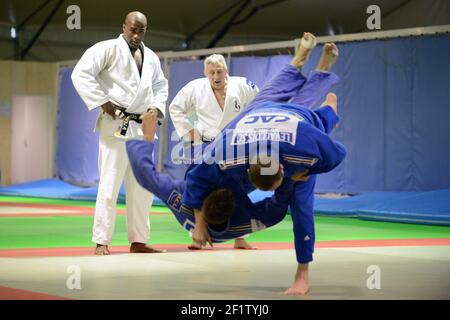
{"type": "Point", "coordinates": [280, 121]}
{"type": "Point", "coordinates": [247, 217]}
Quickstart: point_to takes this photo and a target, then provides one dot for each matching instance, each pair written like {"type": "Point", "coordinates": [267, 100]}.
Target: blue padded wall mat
{"type": "Point", "coordinates": [432, 207]}
{"type": "Point", "coordinates": [57, 189]}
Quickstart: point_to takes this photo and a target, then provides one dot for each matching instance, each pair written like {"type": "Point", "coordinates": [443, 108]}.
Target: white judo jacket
{"type": "Point", "coordinates": [197, 99]}
{"type": "Point", "coordinates": [107, 71]}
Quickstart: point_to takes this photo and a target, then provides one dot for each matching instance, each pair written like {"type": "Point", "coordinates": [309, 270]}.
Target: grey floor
{"type": "Point", "coordinates": [340, 273]}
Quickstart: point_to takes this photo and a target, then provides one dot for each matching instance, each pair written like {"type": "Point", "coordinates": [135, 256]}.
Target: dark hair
{"type": "Point", "coordinates": [218, 206]}
{"type": "Point", "coordinates": [263, 182]}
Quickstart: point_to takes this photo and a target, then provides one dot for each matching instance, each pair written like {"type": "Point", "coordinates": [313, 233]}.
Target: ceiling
{"type": "Point", "coordinates": [179, 20]}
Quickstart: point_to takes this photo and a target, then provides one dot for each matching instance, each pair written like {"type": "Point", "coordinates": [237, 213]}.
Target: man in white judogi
{"type": "Point", "coordinates": [124, 78]}
{"type": "Point", "coordinates": [214, 101]}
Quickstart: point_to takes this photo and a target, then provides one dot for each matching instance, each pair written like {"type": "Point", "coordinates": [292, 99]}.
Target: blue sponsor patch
{"type": "Point", "coordinates": [174, 200]}
{"type": "Point", "coordinates": [251, 84]}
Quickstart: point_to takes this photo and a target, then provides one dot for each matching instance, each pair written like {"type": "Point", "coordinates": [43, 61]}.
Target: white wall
{"type": "Point", "coordinates": [30, 142]}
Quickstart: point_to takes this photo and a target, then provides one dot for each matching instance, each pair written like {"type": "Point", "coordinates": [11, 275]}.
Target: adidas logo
{"type": "Point", "coordinates": [307, 238]}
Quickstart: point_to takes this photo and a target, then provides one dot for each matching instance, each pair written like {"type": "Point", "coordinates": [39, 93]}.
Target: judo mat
{"type": "Point", "coordinates": [431, 207]}
{"type": "Point", "coordinates": [42, 240]}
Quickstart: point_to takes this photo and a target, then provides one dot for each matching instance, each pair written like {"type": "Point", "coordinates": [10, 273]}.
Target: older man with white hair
{"type": "Point", "coordinates": [213, 102]}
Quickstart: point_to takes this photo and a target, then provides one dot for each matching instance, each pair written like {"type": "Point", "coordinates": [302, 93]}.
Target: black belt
{"type": "Point", "coordinates": [203, 139]}
{"type": "Point", "coordinates": [207, 139]}
{"type": "Point", "coordinates": [127, 117]}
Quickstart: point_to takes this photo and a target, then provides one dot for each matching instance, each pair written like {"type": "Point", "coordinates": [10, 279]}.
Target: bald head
{"type": "Point", "coordinates": [134, 28]}
{"type": "Point", "coordinates": [136, 15]}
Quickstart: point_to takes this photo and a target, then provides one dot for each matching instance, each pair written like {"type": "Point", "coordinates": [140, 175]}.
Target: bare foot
{"type": "Point", "coordinates": [329, 55]}
{"type": "Point", "coordinates": [297, 290]}
{"type": "Point", "coordinates": [241, 243]}
{"type": "Point", "coordinates": [331, 101]}
{"type": "Point", "coordinates": [301, 283]}
{"type": "Point", "coordinates": [101, 250]}
{"type": "Point", "coordinates": [137, 247]}
{"type": "Point", "coordinates": [303, 52]}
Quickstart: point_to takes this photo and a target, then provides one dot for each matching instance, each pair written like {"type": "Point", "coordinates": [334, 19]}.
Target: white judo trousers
{"type": "Point", "coordinates": [107, 72]}
{"type": "Point", "coordinates": [113, 167]}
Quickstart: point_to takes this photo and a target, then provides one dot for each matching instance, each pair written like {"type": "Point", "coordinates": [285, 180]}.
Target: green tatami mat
{"type": "Point", "coordinates": [75, 231]}
{"type": "Point", "coordinates": [62, 202]}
